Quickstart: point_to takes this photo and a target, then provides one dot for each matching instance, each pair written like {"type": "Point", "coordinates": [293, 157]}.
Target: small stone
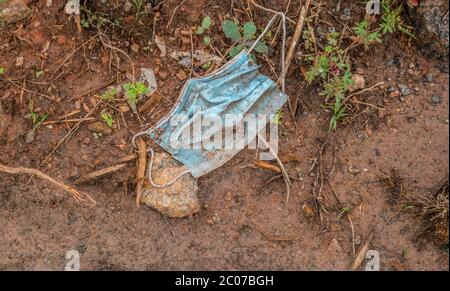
{"type": "Point", "coordinates": [135, 47]}
{"type": "Point", "coordinates": [391, 89]}
{"type": "Point", "coordinates": [428, 78]}
{"type": "Point", "coordinates": [395, 94]}
{"type": "Point", "coordinates": [308, 209]}
{"type": "Point", "coordinates": [128, 6]}
{"type": "Point", "coordinates": [77, 105]}
{"type": "Point", "coordinates": [358, 240]}
{"type": "Point", "coordinates": [404, 90]}
{"type": "Point", "coordinates": [358, 83]}
{"type": "Point", "coordinates": [19, 61]}
{"type": "Point", "coordinates": [353, 170]}
{"type": "Point", "coordinates": [436, 99]}
{"type": "Point", "coordinates": [86, 140]}
{"type": "Point", "coordinates": [177, 200]}
{"type": "Point", "coordinates": [99, 127]}
{"type": "Point", "coordinates": [412, 65]}
{"type": "Point", "coordinates": [29, 137]}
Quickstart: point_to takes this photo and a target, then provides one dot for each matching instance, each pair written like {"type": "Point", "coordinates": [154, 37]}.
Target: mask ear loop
{"type": "Point", "coordinates": [283, 84]}
{"type": "Point", "coordinates": [150, 168]}
{"type": "Point", "coordinates": [283, 50]}
{"type": "Point", "coordinates": [150, 165]}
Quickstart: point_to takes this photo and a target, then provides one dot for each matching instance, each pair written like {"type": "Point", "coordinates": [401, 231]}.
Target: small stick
{"type": "Point", "coordinates": [67, 120]}
{"type": "Point", "coordinates": [71, 54]}
{"type": "Point", "coordinates": [265, 165]}
{"type": "Point", "coordinates": [78, 196]}
{"type": "Point", "coordinates": [100, 173]}
{"type": "Point", "coordinates": [141, 166]}
{"type": "Point", "coordinates": [353, 234]}
{"type": "Point", "coordinates": [297, 35]}
{"type": "Point", "coordinates": [362, 251]}
{"type": "Point", "coordinates": [173, 14]}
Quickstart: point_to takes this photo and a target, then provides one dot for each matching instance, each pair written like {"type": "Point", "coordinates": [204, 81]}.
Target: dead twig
{"type": "Point", "coordinates": [363, 250]}
{"type": "Point", "coordinates": [173, 13]}
{"type": "Point", "coordinates": [71, 55]}
{"type": "Point", "coordinates": [77, 195]}
{"type": "Point", "coordinates": [100, 173]}
{"type": "Point", "coordinates": [141, 166]}
{"type": "Point", "coordinates": [296, 37]}
{"type": "Point", "coordinates": [267, 166]}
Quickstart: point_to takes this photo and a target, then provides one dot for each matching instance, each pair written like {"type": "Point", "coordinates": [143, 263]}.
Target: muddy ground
{"type": "Point", "coordinates": [245, 223]}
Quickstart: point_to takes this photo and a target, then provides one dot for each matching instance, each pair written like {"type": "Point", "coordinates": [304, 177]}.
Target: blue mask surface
{"type": "Point", "coordinates": [237, 88]}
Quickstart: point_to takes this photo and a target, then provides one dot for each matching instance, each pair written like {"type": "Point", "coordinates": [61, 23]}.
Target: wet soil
{"type": "Point", "coordinates": [245, 223]}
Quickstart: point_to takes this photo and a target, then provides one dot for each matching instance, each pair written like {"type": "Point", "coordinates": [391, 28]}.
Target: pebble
{"type": "Point", "coordinates": [404, 90]}
{"type": "Point", "coordinates": [358, 83]}
{"type": "Point", "coordinates": [436, 99]}
{"type": "Point", "coordinates": [308, 209]}
{"type": "Point", "coordinates": [19, 61]}
{"type": "Point", "coordinates": [391, 89]}
{"type": "Point", "coordinates": [29, 137]}
{"type": "Point", "coordinates": [428, 78]}
{"type": "Point", "coordinates": [77, 105]}
{"type": "Point", "coordinates": [135, 47]}
{"type": "Point", "coordinates": [86, 140]}
{"type": "Point", "coordinates": [353, 170]}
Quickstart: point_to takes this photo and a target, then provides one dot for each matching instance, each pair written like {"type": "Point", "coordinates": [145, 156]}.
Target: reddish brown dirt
{"type": "Point", "coordinates": [245, 224]}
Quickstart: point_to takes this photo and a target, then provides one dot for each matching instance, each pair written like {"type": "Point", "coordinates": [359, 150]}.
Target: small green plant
{"type": "Point", "coordinates": [97, 20]}
{"type": "Point", "coordinates": [364, 35]}
{"type": "Point", "coordinates": [110, 95]}
{"type": "Point", "coordinates": [243, 37]}
{"type": "Point", "coordinates": [2, 70]}
{"type": "Point", "coordinates": [334, 71]}
{"type": "Point", "coordinates": [133, 91]}
{"type": "Point", "coordinates": [203, 28]}
{"type": "Point", "coordinates": [391, 20]}
{"type": "Point", "coordinates": [36, 118]}
{"type": "Point", "coordinates": [108, 118]}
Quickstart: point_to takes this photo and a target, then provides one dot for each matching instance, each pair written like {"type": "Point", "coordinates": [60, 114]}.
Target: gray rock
{"type": "Point", "coordinates": [436, 99]}
{"type": "Point", "coordinates": [429, 78]}
{"type": "Point", "coordinates": [391, 89]}
{"type": "Point", "coordinates": [404, 90]}
{"type": "Point", "coordinates": [178, 200]}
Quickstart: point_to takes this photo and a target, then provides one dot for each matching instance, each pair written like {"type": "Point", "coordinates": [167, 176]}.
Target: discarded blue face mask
{"type": "Point", "coordinates": [235, 90]}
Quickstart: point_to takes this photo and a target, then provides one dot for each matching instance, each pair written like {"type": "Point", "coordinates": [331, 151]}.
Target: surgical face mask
{"type": "Point", "coordinates": [236, 95]}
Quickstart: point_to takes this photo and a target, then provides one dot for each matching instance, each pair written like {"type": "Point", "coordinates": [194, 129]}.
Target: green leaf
{"type": "Point", "coordinates": [2, 70]}
{"type": "Point", "coordinates": [236, 50]}
{"type": "Point", "coordinates": [206, 22]}
{"type": "Point", "coordinates": [231, 30]}
{"type": "Point", "coordinates": [261, 47]}
{"type": "Point", "coordinates": [249, 30]}
{"type": "Point", "coordinates": [206, 40]}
